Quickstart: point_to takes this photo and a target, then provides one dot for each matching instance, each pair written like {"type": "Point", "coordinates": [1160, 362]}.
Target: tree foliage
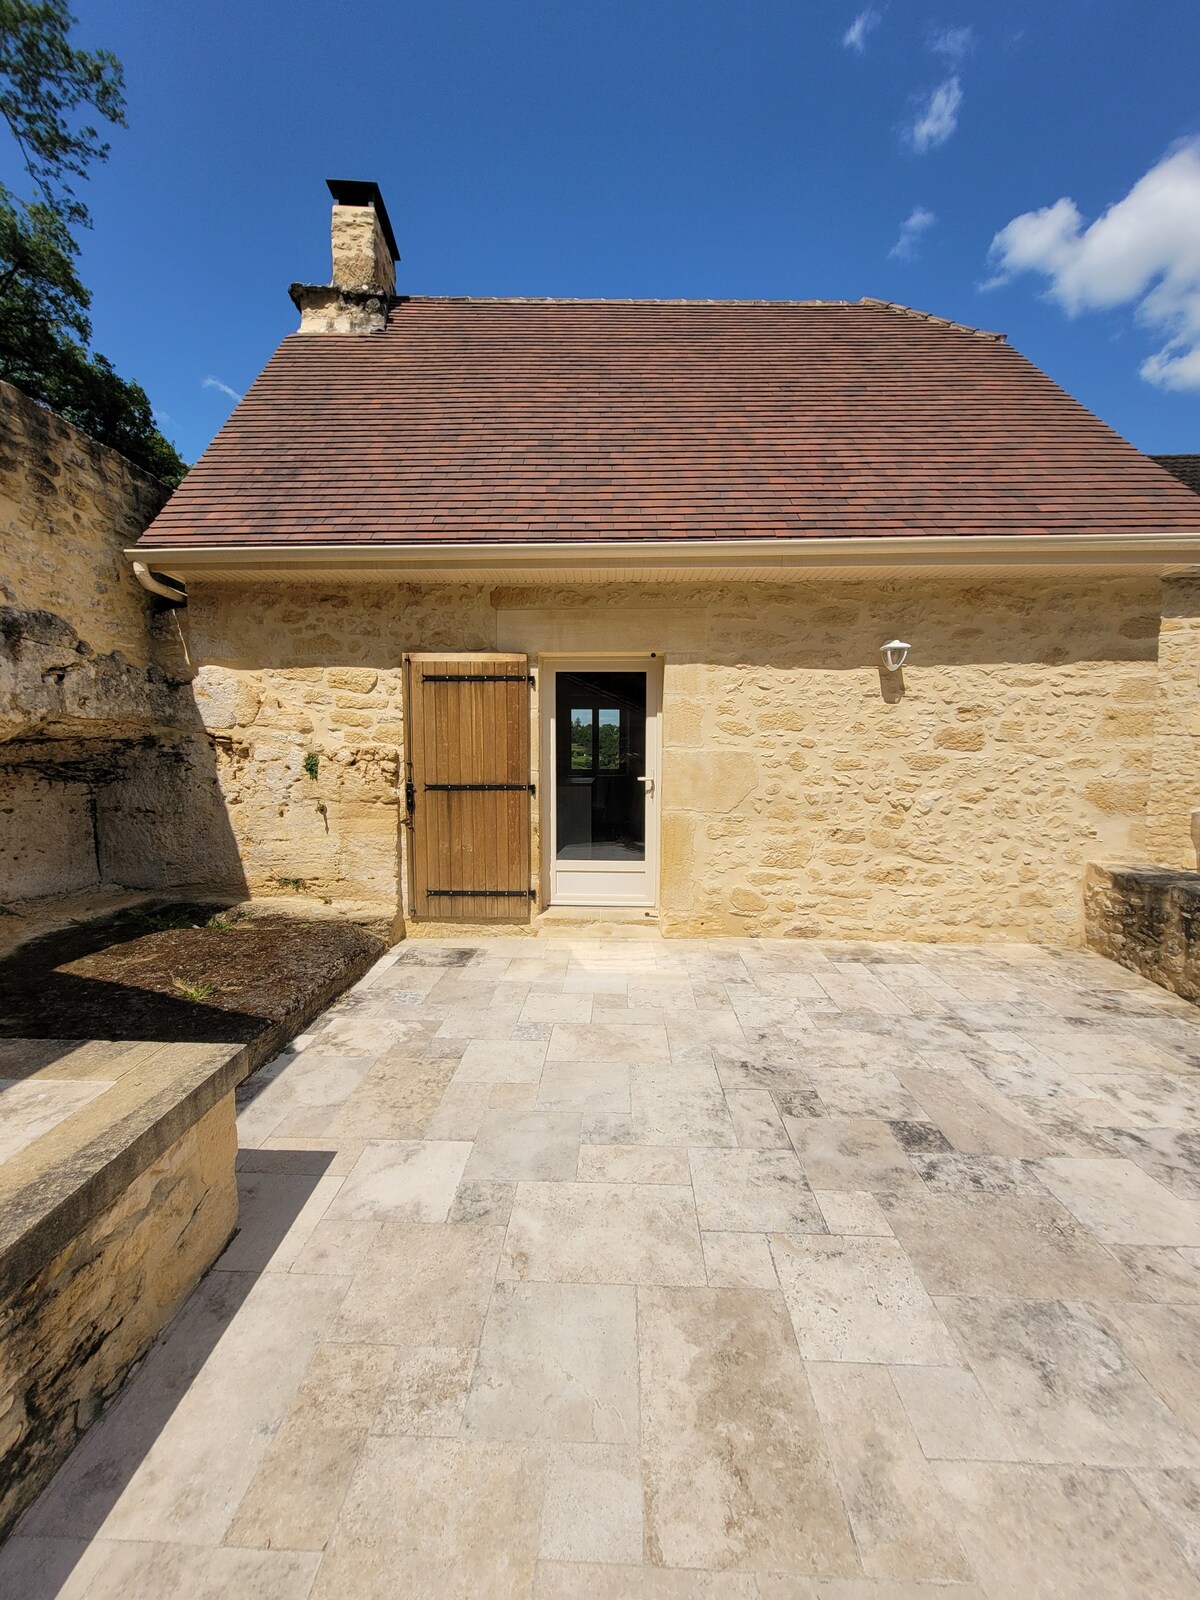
{"type": "Point", "coordinates": [48, 87]}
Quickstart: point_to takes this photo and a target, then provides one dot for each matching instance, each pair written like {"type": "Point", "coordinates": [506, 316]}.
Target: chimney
{"type": "Point", "coordinates": [357, 298]}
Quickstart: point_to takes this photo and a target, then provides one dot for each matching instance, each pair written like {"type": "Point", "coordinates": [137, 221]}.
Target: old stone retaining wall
{"type": "Point", "coordinates": [71, 1336]}
{"type": "Point", "coordinates": [112, 1206]}
{"type": "Point", "coordinates": [1148, 919]}
{"type": "Point", "coordinates": [802, 790]}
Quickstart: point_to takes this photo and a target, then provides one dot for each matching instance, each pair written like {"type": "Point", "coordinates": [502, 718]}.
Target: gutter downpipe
{"type": "Point", "coordinates": [177, 595]}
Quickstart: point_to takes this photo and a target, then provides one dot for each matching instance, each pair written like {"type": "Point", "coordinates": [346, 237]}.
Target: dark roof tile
{"type": "Point", "coordinates": [1185, 468]}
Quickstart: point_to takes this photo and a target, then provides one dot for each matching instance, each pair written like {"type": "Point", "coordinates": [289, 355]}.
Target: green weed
{"type": "Point", "coordinates": [193, 991]}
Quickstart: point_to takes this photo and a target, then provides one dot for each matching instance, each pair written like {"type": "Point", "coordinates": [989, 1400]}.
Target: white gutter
{"type": "Point", "coordinates": [637, 557]}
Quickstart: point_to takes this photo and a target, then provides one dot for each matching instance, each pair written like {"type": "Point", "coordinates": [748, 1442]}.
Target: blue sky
{"type": "Point", "coordinates": [741, 149]}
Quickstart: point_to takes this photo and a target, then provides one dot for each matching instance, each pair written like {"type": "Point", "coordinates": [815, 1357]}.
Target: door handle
{"type": "Point", "coordinates": [649, 782]}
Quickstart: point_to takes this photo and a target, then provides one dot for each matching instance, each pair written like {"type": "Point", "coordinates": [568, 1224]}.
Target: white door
{"type": "Point", "coordinates": [602, 760]}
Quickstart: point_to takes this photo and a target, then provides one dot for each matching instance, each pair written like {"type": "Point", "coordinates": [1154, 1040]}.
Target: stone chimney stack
{"type": "Point", "coordinates": [357, 298]}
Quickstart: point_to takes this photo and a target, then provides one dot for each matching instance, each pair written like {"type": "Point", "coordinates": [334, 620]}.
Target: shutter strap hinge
{"type": "Point", "coordinates": [477, 677]}
{"type": "Point", "coordinates": [481, 894]}
{"type": "Point", "coordinates": [488, 788]}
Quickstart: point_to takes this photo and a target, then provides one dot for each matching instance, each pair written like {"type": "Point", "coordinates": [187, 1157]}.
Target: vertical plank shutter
{"type": "Point", "coordinates": [468, 751]}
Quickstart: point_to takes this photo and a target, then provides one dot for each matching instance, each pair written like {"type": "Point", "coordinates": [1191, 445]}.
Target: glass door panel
{"type": "Point", "coordinates": [600, 762]}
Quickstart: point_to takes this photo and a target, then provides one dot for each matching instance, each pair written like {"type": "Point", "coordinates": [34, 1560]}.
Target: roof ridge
{"type": "Point", "coordinates": [685, 300]}
{"type": "Point", "coordinates": [929, 316]}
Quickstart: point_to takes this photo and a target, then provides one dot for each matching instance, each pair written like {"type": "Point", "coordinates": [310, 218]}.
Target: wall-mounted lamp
{"type": "Point", "coordinates": [894, 653]}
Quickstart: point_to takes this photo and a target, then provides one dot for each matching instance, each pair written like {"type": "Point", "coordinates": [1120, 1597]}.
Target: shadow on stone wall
{"type": "Point", "coordinates": [106, 775]}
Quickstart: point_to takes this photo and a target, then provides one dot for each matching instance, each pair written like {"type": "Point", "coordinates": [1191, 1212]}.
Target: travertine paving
{"type": "Point", "coordinates": [620, 1269]}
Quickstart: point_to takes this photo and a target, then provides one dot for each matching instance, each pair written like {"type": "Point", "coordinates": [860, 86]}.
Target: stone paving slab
{"type": "Point", "coordinates": [579, 1268]}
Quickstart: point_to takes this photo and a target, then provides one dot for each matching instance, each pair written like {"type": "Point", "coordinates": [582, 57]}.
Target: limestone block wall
{"type": "Point", "coordinates": [1175, 789]}
{"type": "Point", "coordinates": [104, 773]}
{"type": "Point", "coordinates": [803, 791]}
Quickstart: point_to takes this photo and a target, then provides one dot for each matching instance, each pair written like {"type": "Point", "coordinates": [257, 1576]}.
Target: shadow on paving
{"type": "Point", "coordinates": [53, 1535]}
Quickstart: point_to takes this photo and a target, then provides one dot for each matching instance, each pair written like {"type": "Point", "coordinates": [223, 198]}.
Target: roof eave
{"type": "Point", "coordinates": [747, 558]}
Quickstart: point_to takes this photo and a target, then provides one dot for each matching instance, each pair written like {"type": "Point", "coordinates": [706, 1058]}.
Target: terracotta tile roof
{"type": "Point", "coordinates": [1185, 468]}
{"type": "Point", "coordinates": [517, 420]}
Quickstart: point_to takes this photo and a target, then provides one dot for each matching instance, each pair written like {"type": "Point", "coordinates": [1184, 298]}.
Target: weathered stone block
{"type": "Point", "coordinates": [961, 738]}
{"type": "Point", "coordinates": [223, 698]}
{"type": "Point", "coordinates": [359, 679]}
{"type": "Point", "coordinates": [711, 780]}
{"type": "Point", "coordinates": [1116, 796]}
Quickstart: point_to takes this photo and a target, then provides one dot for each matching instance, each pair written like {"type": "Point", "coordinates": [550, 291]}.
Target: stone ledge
{"type": "Point", "coordinates": [69, 1175]}
{"type": "Point", "coordinates": [1148, 919]}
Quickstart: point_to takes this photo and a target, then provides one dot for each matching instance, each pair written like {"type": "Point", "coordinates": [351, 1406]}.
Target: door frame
{"type": "Point", "coordinates": [549, 666]}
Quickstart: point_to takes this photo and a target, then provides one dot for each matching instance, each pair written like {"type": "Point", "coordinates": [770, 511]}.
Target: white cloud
{"type": "Point", "coordinates": [918, 221]}
{"type": "Point", "coordinates": [222, 388]}
{"type": "Point", "coordinates": [1144, 251]}
{"type": "Point", "coordinates": [937, 117]}
{"type": "Point", "coordinates": [855, 36]}
{"type": "Point", "coordinates": [952, 44]}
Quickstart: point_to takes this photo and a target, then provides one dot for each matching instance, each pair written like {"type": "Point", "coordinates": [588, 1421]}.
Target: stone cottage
{"type": "Point", "coordinates": [816, 618]}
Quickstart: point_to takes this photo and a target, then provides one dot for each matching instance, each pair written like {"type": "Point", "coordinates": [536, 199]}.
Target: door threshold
{"type": "Point", "coordinates": [430, 929]}
{"type": "Point", "coordinates": [627, 916]}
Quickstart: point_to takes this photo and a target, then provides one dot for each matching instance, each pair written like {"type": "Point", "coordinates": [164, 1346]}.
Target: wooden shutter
{"type": "Point", "coordinates": [468, 751]}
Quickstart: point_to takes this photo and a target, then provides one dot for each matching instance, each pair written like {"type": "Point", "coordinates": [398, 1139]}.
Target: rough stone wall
{"type": "Point", "coordinates": [1175, 789]}
{"type": "Point", "coordinates": [47, 834]}
{"type": "Point", "coordinates": [321, 683]}
{"type": "Point", "coordinates": [68, 506]}
{"type": "Point", "coordinates": [1148, 919]}
{"type": "Point", "coordinates": [102, 766]}
{"type": "Point", "coordinates": [69, 1339]}
{"type": "Point", "coordinates": [802, 790]}
{"type": "Point", "coordinates": [361, 259]}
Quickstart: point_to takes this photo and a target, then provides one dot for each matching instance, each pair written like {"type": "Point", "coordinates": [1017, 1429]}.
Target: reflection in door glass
{"type": "Point", "coordinates": [581, 739]}
{"type": "Point", "coordinates": [599, 761]}
{"type": "Point", "coordinates": [608, 741]}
